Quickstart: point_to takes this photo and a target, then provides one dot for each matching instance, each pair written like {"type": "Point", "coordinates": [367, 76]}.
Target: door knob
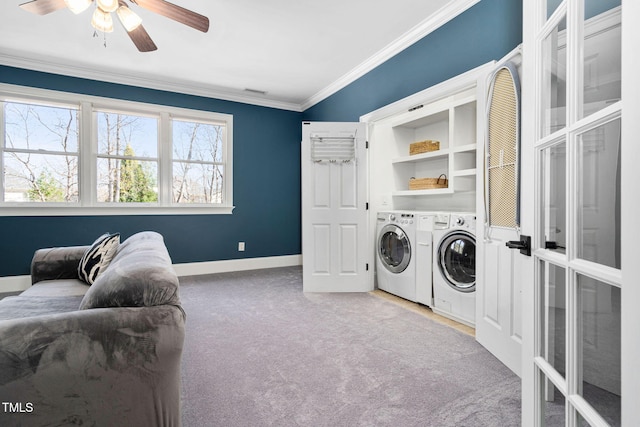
{"type": "Point", "coordinates": [524, 244]}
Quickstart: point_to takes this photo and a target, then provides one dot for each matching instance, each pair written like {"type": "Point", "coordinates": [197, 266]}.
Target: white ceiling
{"type": "Point", "coordinates": [297, 51]}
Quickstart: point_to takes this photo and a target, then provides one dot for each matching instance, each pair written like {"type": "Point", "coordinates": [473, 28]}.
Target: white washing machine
{"type": "Point", "coordinates": [396, 252]}
{"type": "Point", "coordinates": [454, 269]}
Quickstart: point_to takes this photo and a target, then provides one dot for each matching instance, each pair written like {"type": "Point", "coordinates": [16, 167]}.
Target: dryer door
{"type": "Point", "coordinates": [457, 260]}
{"type": "Point", "coordinates": [394, 249]}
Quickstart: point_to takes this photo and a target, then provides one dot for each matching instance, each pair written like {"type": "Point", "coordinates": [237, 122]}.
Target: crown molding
{"type": "Point", "coordinates": [435, 21]}
{"type": "Point", "coordinates": [49, 65]}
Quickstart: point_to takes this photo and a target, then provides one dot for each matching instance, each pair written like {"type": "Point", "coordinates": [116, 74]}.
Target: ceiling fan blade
{"type": "Point", "coordinates": [43, 7]}
{"type": "Point", "coordinates": [177, 13]}
{"type": "Point", "coordinates": [142, 40]}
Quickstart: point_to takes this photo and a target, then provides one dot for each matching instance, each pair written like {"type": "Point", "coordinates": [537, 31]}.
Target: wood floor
{"type": "Point", "coordinates": [424, 311]}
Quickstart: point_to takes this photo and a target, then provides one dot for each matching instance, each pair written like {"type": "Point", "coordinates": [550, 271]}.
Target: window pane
{"type": "Point", "coordinates": [32, 177]}
{"type": "Point", "coordinates": [127, 181]}
{"type": "Point", "coordinates": [599, 194]}
{"type": "Point", "coordinates": [553, 403]}
{"type": "Point", "coordinates": [197, 183]}
{"type": "Point", "coordinates": [599, 343]}
{"type": "Point", "coordinates": [602, 55]}
{"type": "Point", "coordinates": [554, 77]}
{"type": "Point", "coordinates": [197, 141]}
{"type": "Point", "coordinates": [553, 163]}
{"type": "Point", "coordinates": [38, 127]}
{"type": "Point", "coordinates": [553, 302]}
{"type": "Point", "coordinates": [552, 5]}
{"type": "Point", "coordinates": [125, 134]}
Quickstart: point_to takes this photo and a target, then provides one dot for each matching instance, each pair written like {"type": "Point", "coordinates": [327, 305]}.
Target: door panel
{"type": "Point", "coordinates": [322, 249]}
{"type": "Point", "coordinates": [348, 249]}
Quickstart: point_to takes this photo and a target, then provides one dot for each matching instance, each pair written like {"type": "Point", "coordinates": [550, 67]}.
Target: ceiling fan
{"type": "Point", "coordinates": [102, 20]}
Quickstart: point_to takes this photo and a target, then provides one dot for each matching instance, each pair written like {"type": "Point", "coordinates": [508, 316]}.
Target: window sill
{"type": "Point", "coordinates": [112, 210]}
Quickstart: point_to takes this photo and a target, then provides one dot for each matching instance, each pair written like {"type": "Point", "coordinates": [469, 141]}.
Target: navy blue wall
{"type": "Point", "coordinates": [266, 180]}
{"type": "Point", "coordinates": [487, 31]}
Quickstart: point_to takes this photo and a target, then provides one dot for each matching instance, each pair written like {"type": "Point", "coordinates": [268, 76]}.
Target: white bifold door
{"type": "Point", "coordinates": [335, 257]}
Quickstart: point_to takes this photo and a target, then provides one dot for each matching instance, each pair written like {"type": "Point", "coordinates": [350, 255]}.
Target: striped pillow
{"type": "Point", "coordinates": [97, 258]}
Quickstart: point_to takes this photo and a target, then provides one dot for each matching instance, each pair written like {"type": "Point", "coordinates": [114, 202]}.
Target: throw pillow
{"type": "Point", "coordinates": [97, 258]}
{"type": "Point", "coordinates": [140, 275]}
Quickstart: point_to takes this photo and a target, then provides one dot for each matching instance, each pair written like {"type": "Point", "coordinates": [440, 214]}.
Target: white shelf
{"type": "Point", "coordinates": [422, 156]}
{"type": "Point", "coordinates": [465, 148]}
{"type": "Point", "coordinates": [465, 172]}
{"type": "Point", "coordinates": [412, 193]}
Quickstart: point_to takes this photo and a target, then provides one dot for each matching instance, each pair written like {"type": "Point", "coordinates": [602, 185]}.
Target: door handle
{"type": "Point", "coordinates": [524, 244]}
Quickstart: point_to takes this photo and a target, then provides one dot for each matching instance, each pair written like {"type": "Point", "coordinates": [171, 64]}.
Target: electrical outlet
{"type": "Point", "coordinates": [241, 246]}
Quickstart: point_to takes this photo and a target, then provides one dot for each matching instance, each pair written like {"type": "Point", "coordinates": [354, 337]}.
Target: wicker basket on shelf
{"type": "Point", "coordinates": [423, 147]}
{"type": "Point", "coordinates": [428, 183]}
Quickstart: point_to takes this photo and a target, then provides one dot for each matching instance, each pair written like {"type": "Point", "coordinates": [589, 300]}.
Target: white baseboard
{"type": "Point", "coordinates": [210, 267]}
{"type": "Point", "coordinates": [20, 283]}
{"type": "Point", "coordinates": [14, 283]}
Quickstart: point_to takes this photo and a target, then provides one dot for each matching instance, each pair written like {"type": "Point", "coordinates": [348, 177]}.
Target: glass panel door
{"type": "Point", "coordinates": [578, 149]}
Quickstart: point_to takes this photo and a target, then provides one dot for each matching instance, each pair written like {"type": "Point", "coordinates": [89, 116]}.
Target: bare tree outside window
{"type": "Point", "coordinates": [40, 155]}
{"type": "Point", "coordinates": [127, 158]}
{"type": "Point", "coordinates": [198, 170]}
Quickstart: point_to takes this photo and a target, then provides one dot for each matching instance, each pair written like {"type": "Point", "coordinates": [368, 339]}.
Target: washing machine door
{"type": "Point", "coordinates": [394, 248]}
{"type": "Point", "coordinates": [457, 260]}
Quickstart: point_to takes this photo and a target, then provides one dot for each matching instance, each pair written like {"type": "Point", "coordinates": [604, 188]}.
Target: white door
{"type": "Point", "coordinates": [498, 301]}
{"type": "Point", "coordinates": [580, 288]}
{"type": "Point", "coordinates": [334, 208]}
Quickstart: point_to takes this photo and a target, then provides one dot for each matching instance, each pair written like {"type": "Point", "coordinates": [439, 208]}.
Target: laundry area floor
{"type": "Point", "coordinates": [424, 311]}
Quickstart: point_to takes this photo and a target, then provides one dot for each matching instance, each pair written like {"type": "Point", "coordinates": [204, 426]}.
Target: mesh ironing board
{"type": "Point", "coordinates": [502, 192]}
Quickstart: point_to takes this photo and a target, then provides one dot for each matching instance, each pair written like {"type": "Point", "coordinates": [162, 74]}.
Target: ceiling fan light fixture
{"type": "Point", "coordinates": [108, 5]}
{"type": "Point", "coordinates": [102, 21]}
{"type": "Point", "coordinates": [77, 6]}
{"type": "Point", "coordinates": [130, 20]}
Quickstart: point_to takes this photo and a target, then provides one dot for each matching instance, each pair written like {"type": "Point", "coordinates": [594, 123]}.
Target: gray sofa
{"type": "Point", "coordinates": [101, 355]}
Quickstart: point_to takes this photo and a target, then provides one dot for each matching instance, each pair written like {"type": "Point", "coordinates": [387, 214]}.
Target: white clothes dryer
{"type": "Point", "coordinates": [396, 252]}
{"type": "Point", "coordinates": [454, 269]}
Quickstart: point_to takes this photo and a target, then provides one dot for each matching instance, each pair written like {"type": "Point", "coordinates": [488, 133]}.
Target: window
{"type": "Point", "coordinates": [40, 159]}
{"type": "Point", "coordinates": [72, 154]}
{"type": "Point", "coordinates": [127, 160]}
{"type": "Point", "coordinates": [198, 167]}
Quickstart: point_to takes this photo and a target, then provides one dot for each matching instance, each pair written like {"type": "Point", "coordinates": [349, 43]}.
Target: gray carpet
{"type": "Point", "coordinates": [260, 352]}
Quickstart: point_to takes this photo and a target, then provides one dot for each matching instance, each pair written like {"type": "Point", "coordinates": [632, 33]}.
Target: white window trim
{"type": "Point", "coordinates": [88, 156]}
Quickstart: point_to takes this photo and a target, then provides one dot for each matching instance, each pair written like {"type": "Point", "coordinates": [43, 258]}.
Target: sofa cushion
{"type": "Point", "coordinates": [140, 275]}
{"type": "Point", "coordinates": [19, 307]}
{"type": "Point", "coordinates": [57, 288]}
{"type": "Point", "coordinates": [97, 258]}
